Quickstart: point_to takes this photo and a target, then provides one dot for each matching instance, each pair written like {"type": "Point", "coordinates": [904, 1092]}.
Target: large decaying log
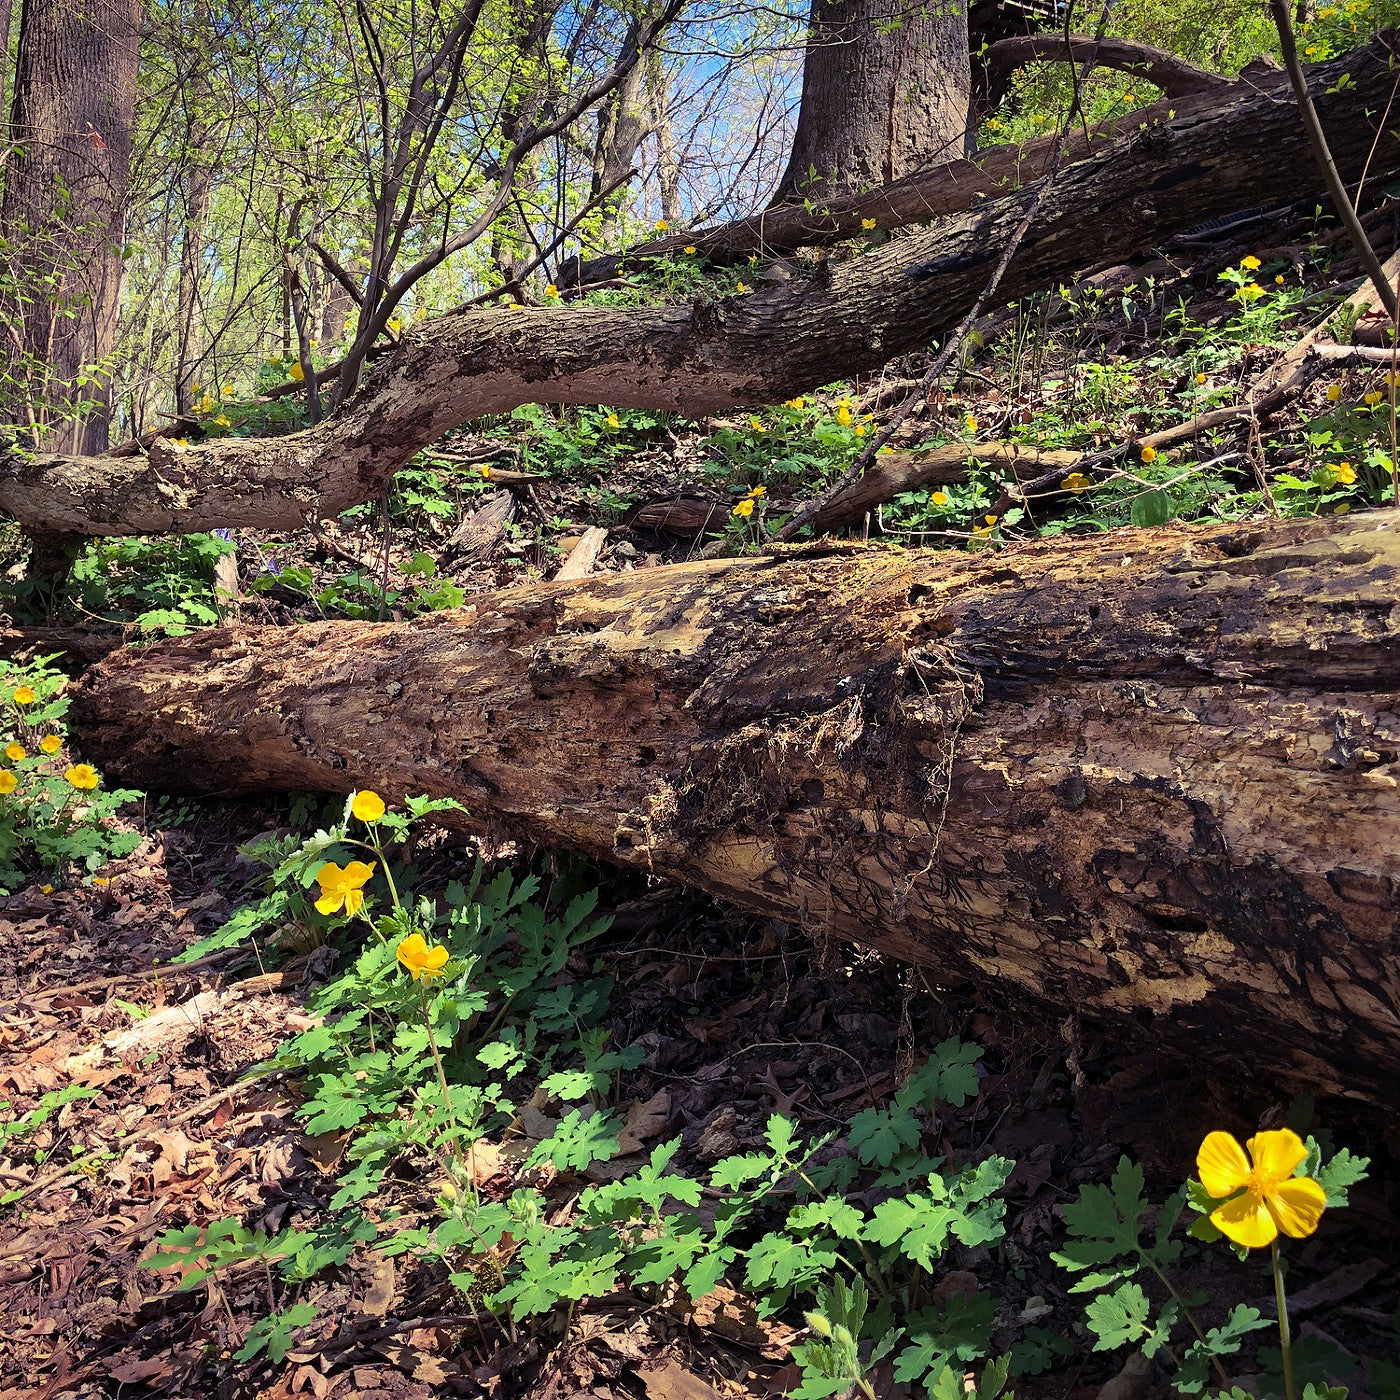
{"type": "Point", "coordinates": [1150, 777]}
{"type": "Point", "coordinates": [756, 348]}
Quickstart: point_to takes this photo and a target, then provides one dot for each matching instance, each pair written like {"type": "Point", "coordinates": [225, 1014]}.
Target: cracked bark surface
{"type": "Point", "coordinates": [1152, 777]}
{"type": "Point", "coordinates": [757, 348]}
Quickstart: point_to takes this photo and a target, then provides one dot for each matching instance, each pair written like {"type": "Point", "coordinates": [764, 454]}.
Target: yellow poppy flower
{"type": "Point", "coordinates": [971, 424]}
{"type": "Point", "coordinates": [421, 960]}
{"type": "Point", "coordinates": [296, 372]}
{"type": "Point", "coordinates": [1273, 1199]}
{"type": "Point", "coordinates": [1334, 392]}
{"type": "Point", "coordinates": [25, 695]}
{"type": "Point", "coordinates": [661, 226]}
{"type": "Point", "coordinates": [228, 389]}
{"type": "Point", "coordinates": [939, 498]}
{"type": "Point", "coordinates": [745, 507]}
{"type": "Point", "coordinates": [1278, 278]}
{"type": "Point", "coordinates": [742, 287]}
{"type": "Point", "coordinates": [867, 223]}
{"type": "Point", "coordinates": [860, 430]}
{"type": "Point", "coordinates": [1250, 263]}
{"type": "Point", "coordinates": [83, 776]}
{"type": "Point", "coordinates": [486, 472]}
{"type": "Point", "coordinates": [1373, 398]}
{"type": "Point", "coordinates": [758, 491]}
{"type": "Point", "coordinates": [795, 403]}
{"type": "Point", "coordinates": [343, 888]}
{"type": "Point", "coordinates": [843, 415]}
{"type": "Point", "coordinates": [51, 743]}
{"type": "Point", "coordinates": [756, 424]}
{"type": "Point", "coordinates": [552, 292]}
{"type": "Point", "coordinates": [613, 421]}
{"type": "Point", "coordinates": [222, 421]}
{"type": "Point", "coordinates": [990, 519]}
{"type": "Point", "coordinates": [1343, 471]}
{"type": "Point", "coordinates": [1076, 481]}
{"type": "Point", "coordinates": [689, 250]}
{"type": "Point", "coordinates": [1200, 379]}
{"type": "Point", "coordinates": [15, 752]}
{"type": "Point", "coordinates": [8, 782]}
{"type": "Point", "coordinates": [367, 806]}
{"type": "Point", "coordinates": [1149, 453]}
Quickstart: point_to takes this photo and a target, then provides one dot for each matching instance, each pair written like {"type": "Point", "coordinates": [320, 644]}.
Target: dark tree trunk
{"type": "Point", "coordinates": [65, 196]}
{"type": "Point", "coordinates": [1153, 778]}
{"type": "Point", "coordinates": [885, 92]}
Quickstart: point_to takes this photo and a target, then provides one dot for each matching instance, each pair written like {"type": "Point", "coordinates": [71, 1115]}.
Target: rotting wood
{"type": "Point", "coordinates": [1152, 777]}
{"type": "Point", "coordinates": [583, 557]}
{"type": "Point", "coordinates": [755, 348]}
{"type": "Point", "coordinates": [890, 473]}
{"type": "Point", "coordinates": [480, 532]}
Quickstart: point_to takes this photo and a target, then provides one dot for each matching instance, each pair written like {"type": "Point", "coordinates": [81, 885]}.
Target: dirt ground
{"type": "Point", "coordinates": [739, 1018]}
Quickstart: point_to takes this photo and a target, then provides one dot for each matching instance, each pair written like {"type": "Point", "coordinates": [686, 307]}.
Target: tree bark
{"type": "Point", "coordinates": [1153, 777]}
{"type": "Point", "coordinates": [65, 197]}
{"type": "Point", "coordinates": [947, 189]}
{"type": "Point", "coordinates": [710, 357]}
{"type": "Point", "coordinates": [885, 92]}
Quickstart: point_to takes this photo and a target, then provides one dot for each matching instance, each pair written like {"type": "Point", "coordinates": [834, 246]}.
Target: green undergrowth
{"type": "Point", "coordinates": [463, 1041]}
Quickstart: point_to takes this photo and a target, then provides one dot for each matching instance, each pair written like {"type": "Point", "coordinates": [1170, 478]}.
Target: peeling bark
{"type": "Point", "coordinates": [1153, 776]}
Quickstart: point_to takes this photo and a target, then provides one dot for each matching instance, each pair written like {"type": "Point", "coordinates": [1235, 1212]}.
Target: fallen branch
{"type": "Point", "coordinates": [758, 348]}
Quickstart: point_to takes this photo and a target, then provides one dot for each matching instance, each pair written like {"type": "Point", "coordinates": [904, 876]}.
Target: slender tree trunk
{"type": "Point", "coordinates": [622, 126]}
{"type": "Point", "coordinates": [885, 92]}
{"type": "Point", "coordinates": [1153, 777]}
{"type": "Point", "coordinates": [668, 166]}
{"type": "Point", "coordinates": [198, 183]}
{"type": "Point", "coordinates": [65, 194]}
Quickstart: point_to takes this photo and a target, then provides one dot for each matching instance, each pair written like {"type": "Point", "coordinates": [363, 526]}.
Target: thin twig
{"type": "Point", "coordinates": [1322, 154]}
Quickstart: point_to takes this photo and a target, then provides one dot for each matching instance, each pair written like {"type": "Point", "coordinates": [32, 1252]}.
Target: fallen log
{"type": "Point", "coordinates": [1152, 777]}
{"type": "Point", "coordinates": [943, 190]}
{"type": "Point", "coordinates": [757, 348]}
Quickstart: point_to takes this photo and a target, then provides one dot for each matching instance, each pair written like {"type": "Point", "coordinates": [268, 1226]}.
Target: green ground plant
{"type": "Point", "coordinates": [54, 814]}
{"type": "Point", "coordinates": [457, 1019]}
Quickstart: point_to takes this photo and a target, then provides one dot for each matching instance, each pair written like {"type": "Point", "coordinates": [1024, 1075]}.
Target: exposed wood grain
{"type": "Point", "coordinates": [1153, 777]}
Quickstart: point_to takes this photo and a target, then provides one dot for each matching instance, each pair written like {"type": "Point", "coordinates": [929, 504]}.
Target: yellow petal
{"type": "Point", "coordinates": [1246, 1220]}
{"type": "Point", "coordinates": [1276, 1154]}
{"type": "Point", "coordinates": [330, 901]}
{"type": "Point", "coordinates": [436, 957]}
{"type": "Point", "coordinates": [411, 952]}
{"type": "Point", "coordinates": [1222, 1165]}
{"type": "Point", "coordinates": [354, 902]}
{"type": "Point", "coordinates": [1297, 1206]}
{"type": "Point", "coordinates": [357, 873]}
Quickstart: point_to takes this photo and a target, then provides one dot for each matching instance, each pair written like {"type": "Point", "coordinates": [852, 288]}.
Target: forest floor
{"type": "Point", "coordinates": [739, 1018]}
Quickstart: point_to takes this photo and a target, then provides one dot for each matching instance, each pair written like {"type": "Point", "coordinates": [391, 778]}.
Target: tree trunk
{"type": "Point", "coordinates": [885, 90]}
{"type": "Point", "coordinates": [1151, 777]}
{"type": "Point", "coordinates": [622, 126]}
{"type": "Point", "coordinates": [64, 203]}
{"type": "Point", "coordinates": [757, 348]}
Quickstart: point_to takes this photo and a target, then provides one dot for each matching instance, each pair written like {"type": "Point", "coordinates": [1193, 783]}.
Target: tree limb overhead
{"type": "Point", "coordinates": [756, 348]}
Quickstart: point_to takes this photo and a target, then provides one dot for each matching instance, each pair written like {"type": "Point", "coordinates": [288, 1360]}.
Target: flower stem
{"type": "Point", "coordinates": [1285, 1336]}
{"type": "Point", "coordinates": [1215, 1361]}
{"type": "Point", "coordinates": [441, 1073]}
